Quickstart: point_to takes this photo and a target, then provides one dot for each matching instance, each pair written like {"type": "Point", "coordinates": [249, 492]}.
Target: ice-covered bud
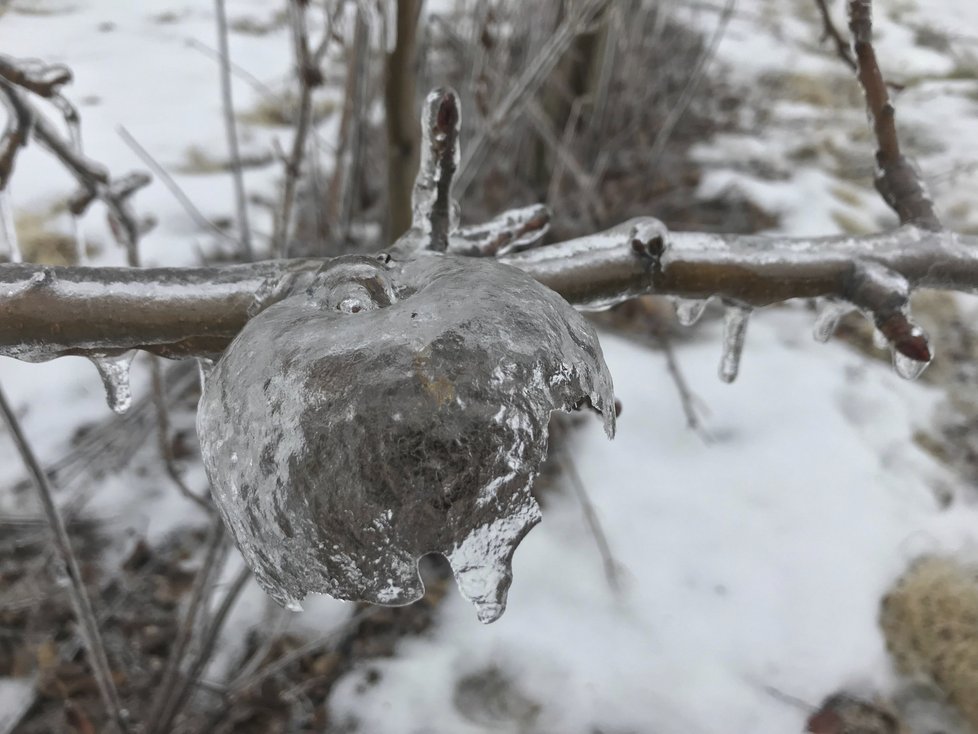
{"type": "Point", "coordinates": [392, 409]}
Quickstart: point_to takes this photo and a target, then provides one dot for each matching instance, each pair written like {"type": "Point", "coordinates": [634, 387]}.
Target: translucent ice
{"type": "Point", "coordinates": [689, 310]}
{"type": "Point", "coordinates": [114, 371]}
{"type": "Point", "coordinates": [829, 315]}
{"type": "Point", "coordinates": [8, 231]}
{"type": "Point", "coordinates": [735, 318]}
{"type": "Point", "coordinates": [907, 368]}
{"type": "Point", "coordinates": [343, 443]}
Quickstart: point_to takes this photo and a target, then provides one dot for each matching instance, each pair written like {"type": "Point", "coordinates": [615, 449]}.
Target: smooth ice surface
{"type": "Point", "coordinates": [689, 310]}
{"type": "Point", "coordinates": [735, 320]}
{"type": "Point", "coordinates": [827, 320]}
{"type": "Point", "coordinates": [114, 371]}
{"type": "Point", "coordinates": [907, 368]}
{"type": "Point", "coordinates": [392, 410]}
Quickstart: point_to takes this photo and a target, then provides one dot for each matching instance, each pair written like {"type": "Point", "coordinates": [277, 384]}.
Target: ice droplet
{"type": "Point", "coordinates": [827, 320]}
{"type": "Point", "coordinates": [689, 310]}
{"type": "Point", "coordinates": [204, 367]}
{"type": "Point", "coordinates": [114, 371]}
{"type": "Point", "coordinates": [907, 368]}
{"type": "Point", "coordinates": [735, 318]}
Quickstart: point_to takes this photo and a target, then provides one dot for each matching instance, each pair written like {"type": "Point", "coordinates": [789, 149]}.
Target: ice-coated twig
{"type": "Point", "coordinates": [231, 131]}
{"type": "Point", "coordinates": [431, 202]}
{"type": "Point", "coordinates": [88, 625]}
{"type": "Point", "coordinates": [94, 181]}
{"type": "Point", "coordinates": [896, 177]}
{"type": "Point", "coordinates": [511, 231]}
{"type": "Point", "coordinates": [44, 80]}
{"type": "Point", "coordinates": [53, 311]}
{"type": "Point", "coordinates": [16, 133]}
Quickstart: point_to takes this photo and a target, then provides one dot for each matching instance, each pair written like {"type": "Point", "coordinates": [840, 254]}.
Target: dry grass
{"type": "Point", "coordinates": [41, 241]}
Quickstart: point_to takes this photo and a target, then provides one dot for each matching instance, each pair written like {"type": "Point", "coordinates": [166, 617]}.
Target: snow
{"type": "Point", "coordinates": [751, 563]}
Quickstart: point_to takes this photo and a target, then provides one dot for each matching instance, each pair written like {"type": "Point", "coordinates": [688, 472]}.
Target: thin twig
{"type": "Point", "coordinates": [310, 77]}
{"type": "Point", "coordinates": [521, 90]}
{"type": "Point", "coordinates": [215, 550]}
{"type": "Point", "coordinates": [243, 684]}
{"type": "Point", "coordinates": [897, 179]}
{"type": "Point", "coordinates": [665, 132]}
{"type": "Point", "coordinates": [16, 134]}
{"type": "Point", "coordinates": [611, 571]}
{"type": "Point", "coordinates": [84, 611]}
{"type": "Point", "coordinates": [686, 397]}
{"type": "Point", "coordinates": [829, 31]}
{"type": "Point", "coordinates": [231, 131]}
{"type": "Point", "coordinates": [163, 435]}
{"type": "Point", "coordinates": [182, 693]}
{"type": "Point", "coordinates": [172, 186]}
{"type": "Point", "coordinates": [356, 108]}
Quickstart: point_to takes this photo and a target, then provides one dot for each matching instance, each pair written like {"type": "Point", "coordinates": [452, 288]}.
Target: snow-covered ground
{"type": "Point", "coordinates": [752, 563]}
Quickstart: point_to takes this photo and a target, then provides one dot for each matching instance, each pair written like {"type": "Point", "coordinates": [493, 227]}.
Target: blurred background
{"type": "Point", "coordinates": [796, 550]}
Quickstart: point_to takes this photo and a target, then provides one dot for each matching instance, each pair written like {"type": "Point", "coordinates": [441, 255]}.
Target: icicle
{"type": "Point", "coordinates": [689, 310]}
{"type": "Point", "coordinates": [204, 368]}
{"type": "Point", "coordinates": [907, 368]}
{"type": "Point", "coordinates": [8, 229]}
{"type": "Point", "coordinates": [879, 340]}
{"type": "Point", "coordinates": [827, 320]}
{"type": "Point", "coordinates": [114, 372]}
{"type": "Point", "coordinates": [81, 246]}
{"type": "Point", "coordinates": [735, 319]}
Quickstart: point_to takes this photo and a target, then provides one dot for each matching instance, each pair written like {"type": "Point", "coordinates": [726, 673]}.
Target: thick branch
{"type": "Point", "coordinates": [53, 311]}
{"type": "Point", "coordinates": [403, 130]}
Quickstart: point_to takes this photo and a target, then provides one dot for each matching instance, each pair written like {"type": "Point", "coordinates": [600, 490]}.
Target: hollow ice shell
{"type": "Point", "coordinates": [391, 410]}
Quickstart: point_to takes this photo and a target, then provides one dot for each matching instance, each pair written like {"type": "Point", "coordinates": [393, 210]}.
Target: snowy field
{"type": "Point", "coordinates": [751, 564]}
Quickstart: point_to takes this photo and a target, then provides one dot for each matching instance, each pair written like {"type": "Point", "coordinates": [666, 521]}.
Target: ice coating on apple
{"type": "Point", "coordinates": [388, 410]}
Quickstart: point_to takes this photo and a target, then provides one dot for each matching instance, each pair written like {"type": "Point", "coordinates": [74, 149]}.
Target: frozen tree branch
{"type": "Point", "coordinates": [53, 311]}
{"type": "Point", "coordinates": [402, 122]}
{"type": "Point", "coordinates": [15, 136]}
{"type": "Point", "coordinates": [896, 178]}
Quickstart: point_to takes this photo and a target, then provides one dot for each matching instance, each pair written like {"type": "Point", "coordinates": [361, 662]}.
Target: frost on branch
{"type": "Point", "coordinates": [391, 409]}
